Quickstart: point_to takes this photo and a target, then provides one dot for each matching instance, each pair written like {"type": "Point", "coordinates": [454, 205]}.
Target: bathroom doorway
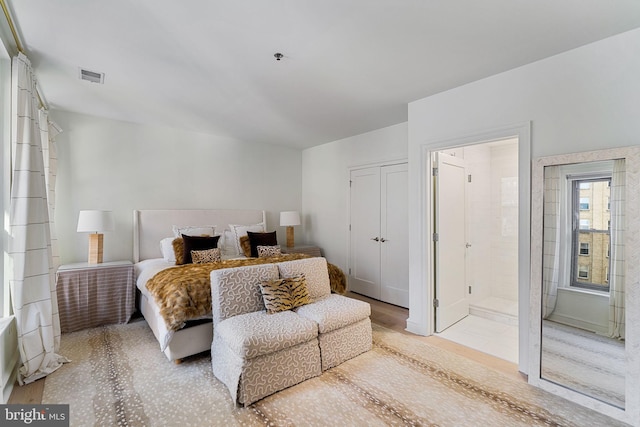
{"type": "Point", "coordinates": [476, 246]}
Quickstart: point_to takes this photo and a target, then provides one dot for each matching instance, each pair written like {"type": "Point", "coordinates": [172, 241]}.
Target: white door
{"type": "Point", "coordinates": [450, 245]}
{"type": "Point", "coordinates": [394, 235]}
{"type": "Point", "coordinates": [364, 254]}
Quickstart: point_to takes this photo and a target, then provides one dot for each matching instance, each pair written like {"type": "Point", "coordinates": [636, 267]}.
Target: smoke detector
{"type": "Point", "coordinates": [91, 76]}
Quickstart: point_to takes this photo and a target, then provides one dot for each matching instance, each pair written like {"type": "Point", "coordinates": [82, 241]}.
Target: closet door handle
{"type": "Point", "coordinates": [382, 239]}
{"type": "Point", "coordinates": [375, 239]}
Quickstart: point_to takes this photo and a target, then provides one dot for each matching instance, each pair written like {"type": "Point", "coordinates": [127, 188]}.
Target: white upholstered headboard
{"type": "Point", "coordinates": [151, 226]}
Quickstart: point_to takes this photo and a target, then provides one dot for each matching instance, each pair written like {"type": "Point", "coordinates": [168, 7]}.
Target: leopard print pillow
{"type": "Point", "coordinates": [205, 256]}
{"type": "Point", "coordinates": [284, 294]}
{"type": "Point", "coordinates": [267, 251]}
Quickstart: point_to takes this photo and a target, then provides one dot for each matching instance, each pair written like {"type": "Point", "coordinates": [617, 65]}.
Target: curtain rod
{"type": "Point", "coordinates": [16, 38]}
{"type": "Point", "coordinates": [12, 27]}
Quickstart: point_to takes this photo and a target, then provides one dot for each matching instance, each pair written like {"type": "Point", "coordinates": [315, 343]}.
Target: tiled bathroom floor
{"type": "Point", "coordinates": [489, 336]}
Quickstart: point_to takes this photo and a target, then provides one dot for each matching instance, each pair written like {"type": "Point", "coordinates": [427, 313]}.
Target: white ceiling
{"type": "Point", "coordinates": [349, 66]}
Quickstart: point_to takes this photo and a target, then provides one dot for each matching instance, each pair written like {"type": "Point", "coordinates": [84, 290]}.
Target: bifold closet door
{"type": "Point", "coordinates": [394, 235]}
{"type": "Point", "coordinates": [379, 240]}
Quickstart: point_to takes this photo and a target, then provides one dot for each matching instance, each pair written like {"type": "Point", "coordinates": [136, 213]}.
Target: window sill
{"type": "Point", "coordinates": [585, 291]}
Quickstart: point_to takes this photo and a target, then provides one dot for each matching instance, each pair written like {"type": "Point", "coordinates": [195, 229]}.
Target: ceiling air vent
{"type": "Point", "coordinates": [91, 76]}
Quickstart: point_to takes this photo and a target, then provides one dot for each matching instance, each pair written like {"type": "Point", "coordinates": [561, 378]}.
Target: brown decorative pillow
{"type": "Point", "coordinates": [245, 246]}
{"type": "Point", "coordinates": [261, 239]}
{"type": "Point", "coordinates": [284, 294]}
{"type": "Point", "coordinates": [267, 251]}
{"type": "Point", "coordinates": [197, 243]}
{"type": "Point", "coordinates": [205, 256]}
{"type": "Point", "coordinates": [178, 250]}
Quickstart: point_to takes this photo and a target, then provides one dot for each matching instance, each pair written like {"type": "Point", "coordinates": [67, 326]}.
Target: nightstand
{"type": "Point", "coordinates": [302, 249]}
{"type": "Point", "coordinates": [91, 295]}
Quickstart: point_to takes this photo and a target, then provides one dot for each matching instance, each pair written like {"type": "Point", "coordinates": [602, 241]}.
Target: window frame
{"type": "Point", "coordinates": [576, 281]}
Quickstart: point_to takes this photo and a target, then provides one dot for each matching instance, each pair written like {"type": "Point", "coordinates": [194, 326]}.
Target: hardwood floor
{"type": "Point", "coordinates": [387, 315]}
{"type": "Point", "coordinates": [28, 393]}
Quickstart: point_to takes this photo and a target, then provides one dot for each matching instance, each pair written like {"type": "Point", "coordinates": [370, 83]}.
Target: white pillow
{"type": "Point", "coordinates": [194, 230]}
{"type": "Point", "coordinates": [226, 243]}
{"type": "Point", "coordinates": [166, 249]}
{"type": "Point", "coordinates": [237, 231]}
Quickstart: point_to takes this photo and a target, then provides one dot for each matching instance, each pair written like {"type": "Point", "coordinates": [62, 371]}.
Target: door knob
{"type": "Point", "coordinates": [375, 239]}
{"type": "Point", "coordinates": [382, 239]}
{"type": "Point", "coordinates": [468, 245]}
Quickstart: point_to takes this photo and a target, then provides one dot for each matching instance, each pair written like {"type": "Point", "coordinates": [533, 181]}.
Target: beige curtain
{"type": "Point", "coordinates": [551, 240]}
{"type": "Point", "coordinates": [32, 281]}
{"type": "Point", "coordinates": [617, 251]}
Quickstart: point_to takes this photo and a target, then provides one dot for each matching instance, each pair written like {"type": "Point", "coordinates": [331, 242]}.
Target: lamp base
{"type": "Point", "coordinates": [290, 239]}
{"type": "Point", "coordinates": [95, 248]}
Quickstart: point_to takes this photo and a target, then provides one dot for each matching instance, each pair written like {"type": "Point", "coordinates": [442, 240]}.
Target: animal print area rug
{"type": "Point", "coordinates": [118, 376]}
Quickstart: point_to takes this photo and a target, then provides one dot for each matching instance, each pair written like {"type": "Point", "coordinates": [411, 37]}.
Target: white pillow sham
{"type": "Point", "coordinates": [166, 249]}
{"type": "Point", "coordinates": [238, 230]}
{"type": "Point", "coordinates": [194, 230]}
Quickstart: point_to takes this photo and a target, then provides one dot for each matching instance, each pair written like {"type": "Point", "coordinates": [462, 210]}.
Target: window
{"type": "Point", "coordinates": [584, 203]}
{"type": "Point", "coordinates": [584, 249]}
{"type": "Point", "coordinates": [583, 272]}
{"type": "Point", "coordinates": [590, 236]}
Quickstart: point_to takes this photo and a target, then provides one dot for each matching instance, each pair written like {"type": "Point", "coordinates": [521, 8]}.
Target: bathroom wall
{"type": "Point", "coordinates": [504, 224]}
{"type": "Point", "coordinates": [492, 219]}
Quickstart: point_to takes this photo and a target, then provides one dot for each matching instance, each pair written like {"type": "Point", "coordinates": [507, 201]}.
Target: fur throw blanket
{"type": "Point", "coordinates": [184, 292]}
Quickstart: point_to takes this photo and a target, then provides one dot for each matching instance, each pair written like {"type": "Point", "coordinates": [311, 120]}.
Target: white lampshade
{"type": "Point", "coordinates": [289, 218]}
{"type": "Point", "coordinates": [95, 221]}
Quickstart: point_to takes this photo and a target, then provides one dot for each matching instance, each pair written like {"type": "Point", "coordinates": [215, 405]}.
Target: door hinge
{"type": "Point", "coordinates": [435, 237]}
{"type": "Point", "coordinates": [349, 272]}
{"type": "Point", "coordinates": [349, 227]}
{"type": "Point", "coordinates": [436, 303]}
{"type": "Point", "coordinates": [350, 182]}
{"type": "Point", "coordinates": [469, 290]}
{"type": "Point", "coordinates": [469, 178]}
{"type": "Point", "coordinates": [434, 171]}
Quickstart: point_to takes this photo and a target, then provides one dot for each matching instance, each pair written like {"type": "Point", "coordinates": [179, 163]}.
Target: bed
{"type": "Point", "coordinates": [150, 227]}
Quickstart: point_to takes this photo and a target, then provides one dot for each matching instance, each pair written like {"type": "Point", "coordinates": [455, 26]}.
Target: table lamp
{"type": "Point", "coordinates": [289, 219]}
{"type": "Point", "coordinates": [95, 222]}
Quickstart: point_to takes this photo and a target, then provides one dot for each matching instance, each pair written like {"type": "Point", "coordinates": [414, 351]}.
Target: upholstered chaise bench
{"type": "Point", "coordinates": [256, 354]}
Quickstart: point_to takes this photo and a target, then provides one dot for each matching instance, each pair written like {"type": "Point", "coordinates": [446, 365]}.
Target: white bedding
{"type": "Point", "coordinates": [150, 227]}
{"type": "Point", "coordinates": [144, 271]}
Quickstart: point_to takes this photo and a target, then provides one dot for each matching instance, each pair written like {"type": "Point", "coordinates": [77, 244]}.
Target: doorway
{"type": "Point", "coordinates": [476, 246]}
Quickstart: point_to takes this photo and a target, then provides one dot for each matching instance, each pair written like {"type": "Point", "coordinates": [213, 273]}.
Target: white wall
{"type": "Point", "coordinates": [121, 166]}
{"type": "Point", "coordinates": [325, 184]}
{"type": "Point", "coordinates": [584, 310]}
{"type": "Point", "coordinates": [584, 99]}
{"type": "Point", "coordinates": [504, 226]}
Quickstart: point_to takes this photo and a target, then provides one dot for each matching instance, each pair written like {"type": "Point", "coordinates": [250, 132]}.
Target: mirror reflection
{"type": "Point", "coordinates": [583, 281]}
